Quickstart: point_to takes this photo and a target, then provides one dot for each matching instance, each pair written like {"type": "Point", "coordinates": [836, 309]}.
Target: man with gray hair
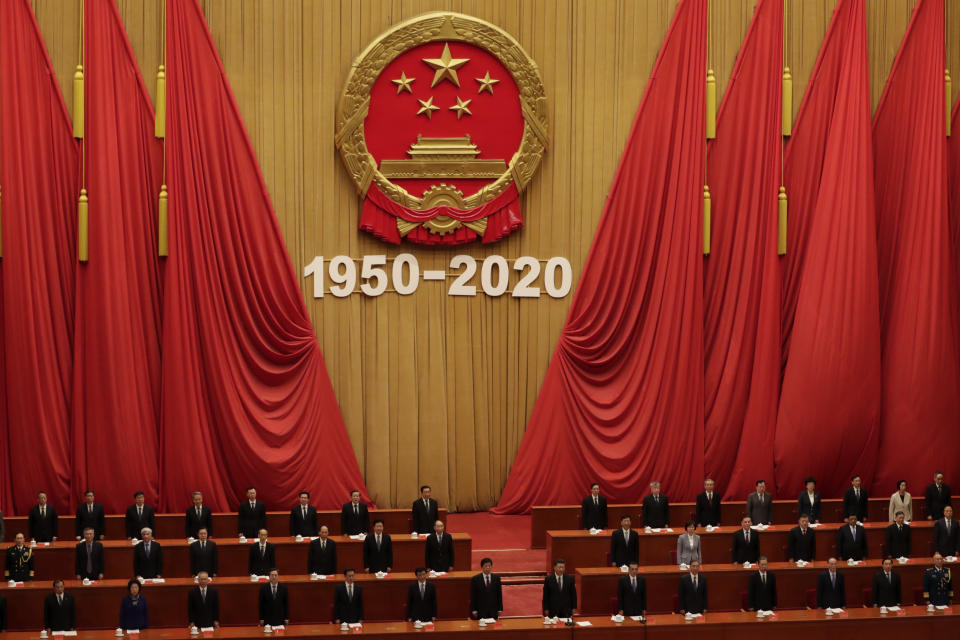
{"type": "Point", "coordinates": [147, 556]}
{"type": "Point", "coordinates": [656, 508]}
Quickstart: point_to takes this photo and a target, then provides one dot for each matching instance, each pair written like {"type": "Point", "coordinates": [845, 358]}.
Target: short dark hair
{"type": "Point", "coordinates": [633, 563]}
{"type": "Point", "coordinates": [559, 561]}
{"type": "Point", "coordinates": [690, 523]}
{"type": "Point", "coordinates": [885, 558]}
{"type": "Point", "coordinates": [899, 513]}
{"type": "Point", "coordinates": [426, 486]}
{"type": "Point", "coordinates": [380, 520]}
{"type": "Point", "coordinates": [594, 484]}
{"type": "Point", "coordinates": [624, 516]}
{"type": "Point", "coordinates": [138, 493]}
{"type": "Point", "coordinates": [41, 492]}
{"type": "Point", "coordinates": [304, 493]}
{"type": "Point", "coordinates": [131, 582]}
{"type": "Point", "coordinates": [249, 488]}
{"type": "Point", "coordinates": [854, 477]}
{"type": "Point", "coordinates": [349, 570]}
{"type": "Point", "coordinates": [355, 491]}
{"type": "Point", "coordinates": [60, 580]}
{"type": "Point", "coordinates": [900, 482]}
{"type": "Point", "coordinates": [761, 481]}
{"type": "Point", "coordinates": [88, 492]}
{"type": "Point", "coordinates": [419, 570]}
{"type": "Point", "coordinates": [486, 561]}
{"type": "Point", "coordinates": [809, 480]}
{"type": "Point", "coordinates": [272, 569]}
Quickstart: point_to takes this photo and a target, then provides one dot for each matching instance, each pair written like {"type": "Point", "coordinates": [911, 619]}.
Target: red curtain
{"type": "Point", "coordinates": [955, 184]}
{"type": "Point", "coordinates": [918, 278]}
{"type": "Point", "coordinates": [246, 396]}
{"type": "Point", "coordinates": [117, 341]}
{"type": "Point", "coordinates": [829, 403]}
{"type": "Point", "coordinates": [623, 395]}
{"type": "Point", "coordinates": [741, 277]}
{"type": "Point", "coordinates": [38, 174]}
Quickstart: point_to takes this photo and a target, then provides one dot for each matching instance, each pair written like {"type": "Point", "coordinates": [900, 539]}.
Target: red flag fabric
{"type": "Point", "coordinates": [955, 183]}
{"type": "Point", "coordinates": [38, 174]}
{"type": "Point", "coordinates": [918, 279]}
{"type": "Point", "coordinates": [116, 406]}
{"type": "Point", "coordinates": [827, 422]}
{"type": "Point", "coordinates": [741, 276]}
{"type": "Point", "coordinates": [622, 402]}
{"type": "Point", "coordinates": [246, 395]}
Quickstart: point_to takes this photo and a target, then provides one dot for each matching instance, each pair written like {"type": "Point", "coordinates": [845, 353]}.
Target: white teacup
{"type": "Point", "coordinates": [267, 628]}
{"type": "Point", "coordinates": [43, 633]}
{"type": "Point", "coordinates": [883, 609]}
{"type": "Point", "coordinates": [118, 632]}
{"type": "Point", "coordinates": [344, 626]}
{"type": "Point", "coordinates": [194, 631]}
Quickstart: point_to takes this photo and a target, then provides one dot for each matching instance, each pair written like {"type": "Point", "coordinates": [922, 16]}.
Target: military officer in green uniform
{"type": "Point", "coordinates": [937, 585]}
{"type": "Point", "coordinates": [19, 565]}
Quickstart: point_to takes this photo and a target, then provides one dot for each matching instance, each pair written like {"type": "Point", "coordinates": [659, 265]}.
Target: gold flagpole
{"type": "Point", "coordinates": [83, 205]}
{"type": "Point", "coordinates": [160, 131]}
{"type": "Point", "coordinates": [786, 129]}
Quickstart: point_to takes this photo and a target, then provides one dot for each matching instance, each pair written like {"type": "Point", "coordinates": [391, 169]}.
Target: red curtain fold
{"type": "Point", "coordinates": [955, 184]}
{"type": "Point", "coordinates": [827, 425]}
{"type": "Point", "coordinates": [741, 276]}
{"type": "Point", "coordinates": [246, 396]}
{"type": "Point", "coordinates": [918, 278]}
{"type": "Point", "coordinates": [38, 174]}
{"type": "Point", "coordinates": [116, 391]}
{"type": "Point", "coordinates": [622, 402]}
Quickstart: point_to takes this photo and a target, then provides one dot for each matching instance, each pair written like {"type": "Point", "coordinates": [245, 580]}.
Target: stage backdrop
{"type": "Point", "coordinates": [434, 388]}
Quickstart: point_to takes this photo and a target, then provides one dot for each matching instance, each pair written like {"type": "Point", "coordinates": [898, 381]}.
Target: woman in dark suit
{"type": "Point", "coordinates": [133, 608]}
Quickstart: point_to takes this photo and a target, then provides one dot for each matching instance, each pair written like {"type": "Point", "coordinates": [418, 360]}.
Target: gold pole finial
{"type": "Point", "coordinates": [782, 221]}
{"type": "Point", "coordinates": [711, 105]}
{"type": "Point", "coordinates": [706, 220]}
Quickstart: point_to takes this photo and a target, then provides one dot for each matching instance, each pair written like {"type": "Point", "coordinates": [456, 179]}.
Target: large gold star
{"type": "Point", "coordinates": [403, 83]}
{"type": "Point", "coordinates": [461, 107]}
{"type": "Point", "coordinates": [427, 107]}
{"type": "Point", "coordinates": [446, 67]}
{"type": "Point", "coordinates": [486, 83]}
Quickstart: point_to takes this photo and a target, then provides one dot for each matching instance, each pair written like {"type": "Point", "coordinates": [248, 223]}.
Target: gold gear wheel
{"type": "Point", "coordinates": [442, 195]}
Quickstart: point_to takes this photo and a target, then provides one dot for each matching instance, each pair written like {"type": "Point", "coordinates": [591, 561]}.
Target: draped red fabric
{"type": "Point", "coordinates": [246, 396]}
{"type": "Point", "coordinates": [622, 402]}
{"type": "Point", "coordinates": [955, 184]}
{"type": "Point", "coordinates": [741, 276]}
{"type": "Point", "coordinates": [918, 278]}
{"type": "Point", "coordinates": [38, 174]}
{"type": "Point", "coordinates": [827, 424]}
{"type": "Point", "coordinates": [116, 389]}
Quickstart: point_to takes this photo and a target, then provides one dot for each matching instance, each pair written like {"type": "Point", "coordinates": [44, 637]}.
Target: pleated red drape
{"type": "Point", "coordinates": [741, 276]}
{"type": "Point", "coordinates": [623, 395]}
{"type": "Point", "coordinates": [828, 416]}
{"type": "Point", "coordinates": [117, 342]}
{"type": "Point", "coordinates": [918, 277]}
{"type": "Point", "coordinates": [246, 395]}
{"type": "Point", "coordinates": [38, 174]}
{"type": "Point", "coordinates": [955, 184]}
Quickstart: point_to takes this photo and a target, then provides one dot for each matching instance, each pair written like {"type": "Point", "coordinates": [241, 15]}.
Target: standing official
{"type": "Point", "coordinates": [593, 509]}
{"type": "Point", "coordinates": [936, 497]}
{"type": "Point", "coordinates": [262, 556]}
{"type": "Point", "coordinates": [43, 520]}
{"type": "Point", "coordinates": [946, 534]}
{"type": "Point", "coordinates": [624, 544]}
{"type": "Point", "coordinates": [692, 593]}
{"type": "Point", "coordinates": [559, 592]}
{"type": "Point", "coordinates": [303, 518]}
{"type": "Point", "coordinates": [421, 599]}
{"type": "Point", "coordinates": [139, 515]}
{"type": "Point", "coordinates": [90, 514]}
{"type": "Point", "coordinates": [438, 553]}
{"type": "Point", "coordinates": [354, 516]}
{"type": "Point", "coordinates": [251, 516]}
{"type": "Point", "coordinates": [632, 593]}
{"type": "Point", "coordinates": [348, 600]}
{"type": "Point", "coordinates": [19, 561]}
{"type": "Point", "coordinates": [852, 540]}
{"type": "Point", "coordinates": [486, 593]}
{"type": "Point", "coordinates": [203, 554]}
{"type": "Point", "coordinates": [274, 603]}
{"type": "Point", "coordinates": [802, 543]}
{"type": "Point", "coordinates": [762, 588]}
{"type": "Point", "coordinates": [708, 510]}
{"type": "Point", "coordinates": [656, 508]}
{"type": "Point", "coordinates": [378, 550]}
{"type": "Point", "coordinates": [203, 604]}
{"type": "Point", "coordinates": [808, 503]}
{"type": "Point", "coordinates": [937, 583]}
{"type": "Point", "coordinates": [147, 556]}
{"type": "Point", "coordinates": [746, 544]}
{"type": "Point", "coordinates": [88, 564]}
{"type": "Point", "coordinates": [886, 586]}
{"type": "Point", "coordinates": [198, 517]}
{"type": "Point", "coordinates": [856, 500]}
{"type": "Point", "coordinates": [322, 554]}
{"type": "Point", "coordinates": [760, 504]}
{"type": "Point", "coordinates": [831, 593]}
{"type": "Point", "coordinates": [898, 538]}
{"type": "Point", "coordinates": [59, 610]}
{"type": "Point", "coordinates": [425, 511]}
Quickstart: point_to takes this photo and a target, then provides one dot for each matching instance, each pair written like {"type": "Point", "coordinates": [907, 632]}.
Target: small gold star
{"type": "Point", "coordinates": [427, 107]}
{"type": "Point", "coordinates": [446, 67]}
{"type": "Point", "coordinates": [461, 107]}
{"type": "Point", "coordinates": [486, 83]}
{"type": "Point", "coordinates": [403, 83]}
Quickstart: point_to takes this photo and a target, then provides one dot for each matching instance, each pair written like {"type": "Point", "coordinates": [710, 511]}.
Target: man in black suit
{"type": "Point", "coordinates": [438, 554]}
{"type": "Point", "coordinates": [886, 586]}
{"type": "Point", "coordinates": [898, 538]}
{"type": "Point", "coordinates": [692, 593]}
{"type": "Point", "coordinates": [852, 540]}
{"type": "Point", "coordinates": [59, 610]}
{"type": "Point", "coordinates": [198, 517]}
{"type": "Point", "coordinates": [378, 550]}
{"type": "Point", "coordinates": [421, 599]}
{"type": "Point", "coordinates": [262, 556]}
{"type": "Point", "coordinates": [656, 508]}
{"type": "Point", "coordinates": [762, 588]}
{"type": "Point", "coordinates": [486, 593]}
{"type": "Point", "coordinates": [593, 509]}
{"type": "Point", "coordinates": [348, 600]}
{"type": "Point", "coordinates": [354, 516]}
{"type": "Point", "coordinates": [203, 604]}
{"type": "Point", "coordinates": [322, 554]}
{"type": "Point", "coordinates": [43, 520]}
{"type": "Point", "coordinates": [251, 516]}
{"type": "Point", "coordinates": [89, 557]}
{"type": "Point", "coordinates": [139, 515]}
{"type": "Point", "coordinates": [946, 534]}
{"type": "Point", "coordinates": [203, 554]}
{"type": "Point", "coordinates": [624, 544]}
{"type": "Point", "coordinates": [559, 592]}
{"type": "Point", "coordinates": [802, 543]}
{"type": "Point", "coordinates": [147, 556]}
{"type": "Point", "coordinates": [426, 511]}
{"type": "Point", "coordinates": [936, 497]}
{"type": "Point", "coordinates": [632, 593]}
{"type": "Point", "coordinates": [274, 603]}
{"type": "Point", "coordinates": [746, 544]}
{"type": "Point", "coordinates": [856, 500]}
{"type": "Point", "coordinates": [708, 505]}
{"type": "Point", "coordinates": [808, 503]}
{"type": "Point", "coordinates": [90, 514]}
{"type": "Point", "coordinates": [303, 518]}
{"type": "Point", "coordinates": [3, 613]}
{"type": "Point", "coordinates": [831, 594]}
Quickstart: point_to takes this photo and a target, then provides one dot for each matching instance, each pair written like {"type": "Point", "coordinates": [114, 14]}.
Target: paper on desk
{"type": "Point", "coordinates": [594, 531]}
{"type": "Point", "coordinates": [951, 558]}
{"type": "Point", "coordinates": [355, 625]}
{"type": "Point", "coordinates": [437, 574]}
{"type": "Point", "coordinates": [156, 580]}
{"type": "Point", "coordinates": [359, 536]}
{"type": "Point", "coordinates": [764, 613]}
{"type": "Point", "coordinates": [694, 615]}
{"type": "Point", "coordinates": [939, 607]}
{"type": "Point", "coordinates": [131, 632]}
{"type": "Point", "coordinates": [206, 629]}
{"type": "Point", "coordinates": [656, 530]}
{"type": "Point", "coordinates": [381, 574]}
{"type": "Point", "coordinates": [802, 563]}
{"type": "Point", "coordinates": [584, 623]}
{"type": "Point", "coordinates": [903, 560]}
{"type": "Point", "coordinates": [814, 524]}
{"type": "Point", "coordinates": [711, 528]}
{"type": "Point", "coordinates": [317, 576]}
{"type": "Point", "coordinates": [837, 610]}
{"type": "Point", "coordinates": [65, 633]}
{"type": "Point", "coordinates": [312, 538]}
{"type": "Point", "coordinates": [668, 530]}
{"type": "Point", "coordinates": [488, 620]}
{"type": "Point", "coordinates": [278, 627]}
{"type": "Point", "coordinates": [893, 608]}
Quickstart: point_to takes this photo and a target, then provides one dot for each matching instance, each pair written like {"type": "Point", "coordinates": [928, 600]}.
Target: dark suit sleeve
{"type": "Point", "coordinates": [78, 568]}
{"type": "Point", "coordinates": [293, 525]}
{"type": "Point", "coordinates": [388, 542]}
{"type": "Point", "coordinates": [897, 588]}
{"type": "Point", "coordinates": [262, 602]}
{"type": "Point", "coordinates": [666, 511]}
{"type": "Point", "coordinates": [773, 587]}
{"type": "Point", "coordinates": [603, 513]}
{"type": "Point", "coordinates": [77, 524]}
{"type": "Point", "coordinates": [101, 522]}
{"type": "Point", "coordinates": [573, 594]}
{"type": "Point", "coordinates": [820, 587]}
{"type": "Point", "coordinates": [71, 606]}
{"type": "Point", "coordinates": [250, 561]}
{"type": "Point", "coordinates": [703, 582]}
{"type": "Point", "coordinates": [682, 595]}
{"type": "Point", "coordinates": [433, 600]}
{"type": "Point", "coordinates": [262, 509]}
{"type": "Point", "coordinates": [3, 613]}
{"type": "Point", "coordinates": [410, 602]}
{"type": "Point", "coordinates": [642, 586]}
{"type": "Point", "coordinates": [545, 601]}
{"type": "Point", "coordinates": [453, 562]}
{"type": "Point", "coordinates": [366, 553]}
{"type": "Point", "coordinates": [499, 594]}
{"type": "Point", "coordinates": [583, 514]}
{"type": "Point", "coordinates": [159, 552]}
{"type": "Point", "coordinates": [215, 559]}
{"type": "Point", "coordinates": [752, 586]}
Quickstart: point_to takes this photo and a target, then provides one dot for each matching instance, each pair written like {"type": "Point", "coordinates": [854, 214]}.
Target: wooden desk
{"type": "Point", "coordinates": [597, 587]}
{"type": "Point", "coordinates": [171, 525]}
{"type": "Point", "coordinates": [915, 622]}
{"type": "Point", "coordinates": [580, 549]}
{"type": "Point", "coordinates": [508, 629]}
{"type": "Point", "coordinates": [57, 560]}
{"type": "Point", "coordinates": [544, 518]}
{"type": "Point", "coordinates": [311, 601]}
